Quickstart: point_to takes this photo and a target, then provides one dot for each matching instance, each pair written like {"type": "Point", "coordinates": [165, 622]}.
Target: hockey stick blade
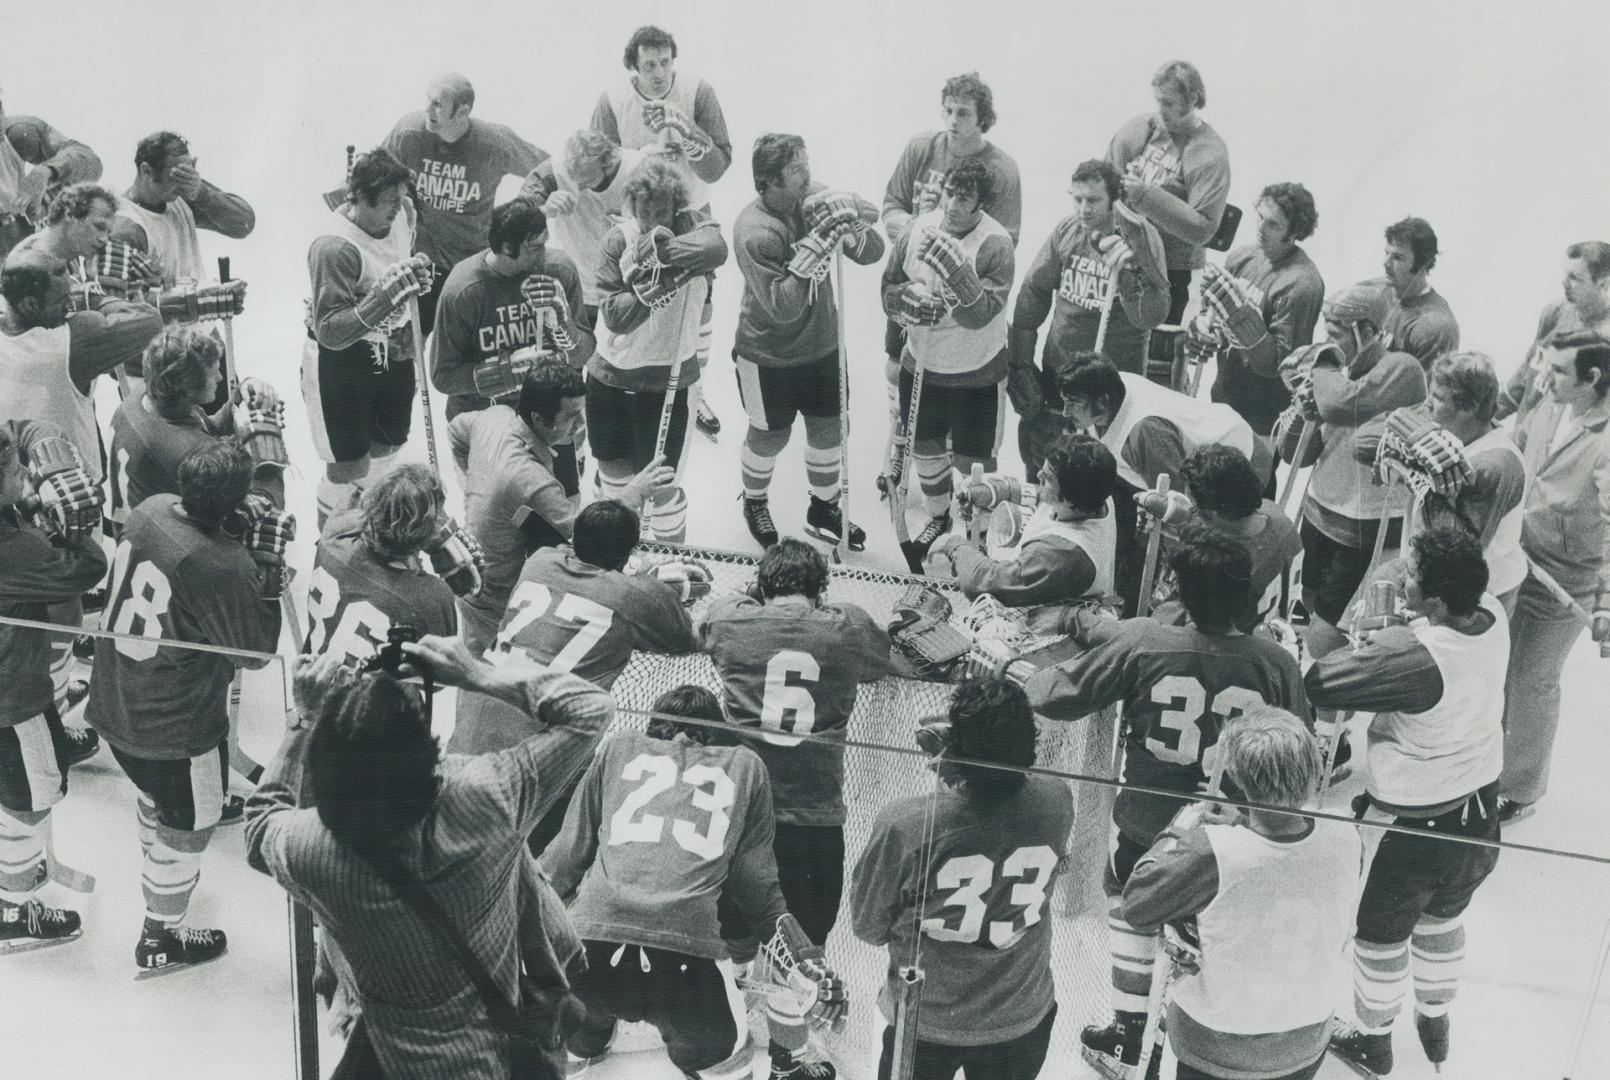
{"type": "Point", "coordinates": [69, 878]}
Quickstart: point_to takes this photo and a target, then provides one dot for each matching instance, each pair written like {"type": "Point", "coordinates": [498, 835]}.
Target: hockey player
{"type": "Point", "coordinates": [648, 912]}
{"type": "Point", "coordinates": [1565, 534]}
{"type": "Point", "coordinates": [179, 576]}
{"type": "Point", "coordinates": [582, 197]}
{"type": "Point", "coordinates": [455, 162]}
{"type": "Point", "coordinates": [512, 296]}
{"type": "Point", "coordinates": [967, 105]}
{"type": "Point", "coordinates": [962, 878]}
{"type": "Point", "coordinates": [159, 215]}
{"type": "Point", "coordinates": [1070, 279]}
{"type": "Point", "coordinates": [787, 344]}
{"type": "Point", "coordinates": [36, 161]}
{"type": "Point", "coordinates": [1150, 430]}
{"type": "Point", "coordinates": [676, 116]}
{"type": "Point", "coordinates": [955, 250]}
{"type": "Point", "coordinates": [1265, 303]}
{"type": "Point", "coordinates": [654, 278]}
{"type": "Point", "coordinates": [1421, 322]}
{"type": "Point", "coordinates": [1342, 507]}
{"type": "Point", "coordinates": [1584, 307]}
{"type": "Point", "coordinates": [1067, 548]}
{"type": "Point", "coordinates": [1177, 685]}
{"type": "Point", "coordinates": [366, 572]}
{"type": "Point", "coordinates": [358, 364]}
{"type": "Point", "coordinates": [37, 569]}
{"type": "Point", "coordinates": [1270, 897]}
{"type": "Point", "coordinates": [513, 501]}
{"type": "Point", "coordinates": [1176, 172]}
{"type": "Point", "coordinates": [1435, 751]}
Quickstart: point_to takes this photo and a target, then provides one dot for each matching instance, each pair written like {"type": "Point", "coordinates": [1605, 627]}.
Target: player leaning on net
{"type": "Point", "coordinates": [41, 565]}
{"type": "Point", "coordinates": [389, 807]}
{"type": "Point", "coordinates": [790, 664]}
{"type": "Point", "coordinates": [787, 342]}
{"type": "Point", "coordinates": [183, 575]}
{"type": "Point", "coordinates": [455, 162]}
{"type": "Point", "coordinates": [1566, 535]}
{"type": "Point", "coordinates": [358, 364]}
{"type": "Point", "coordinates": [367, 575]}
{"type": "Point", "coordinates": [1222, 493]}
{"type": "Point", "coordinates": [1176, 172]}
{"type": "Point", "coordinates": [582, 196]}
{"type": "Point", "coordinates": [1177, 685]}
{"type": "Point", "coordinates": [1584, 307]}
{"type": "Point", "coordinates": [514, 500]}
{"type": "Point", "coordinates": [1070, 278]}
{"type": "Point", "coordinates": [1149, 430]}
{"type": "Point", "coordinates": [1065, 553]}
{"type": "Point", "coordinates": [654, 279]}
{"type": "Point", "coordinates": [1421, 323]}
{"type": "Point", "coordinates": [1263, 305]}
{"type": "Point", "coordinates": [667, 824]}
{"type": "Point", "coordinates": [36, 161]}
{"type": "Point", "coordinates": [915, 187]}
{"type": "Point", "coordinates": [957, 883]}
{"type": "Point", "coordinates": [1342, 385]}
{"type": "Point", "coordinates": [677, 117]}
{"type": "Point", "coordinates": [1435, 749]}
{"type": "Point", "coordinates": [1268, 897]}
{"type": "Point", "coordinates": [947, 282]}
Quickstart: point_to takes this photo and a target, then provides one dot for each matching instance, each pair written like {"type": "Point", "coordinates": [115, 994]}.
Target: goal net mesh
{"type": "Point", "coordinates": [886, 713]}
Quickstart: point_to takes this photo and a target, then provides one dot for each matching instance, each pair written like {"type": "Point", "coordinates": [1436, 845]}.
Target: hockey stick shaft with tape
{"type": "Point", "coordinates": [1108, 298]}
{"type": "Point", "coordinates": [422, 376]}
{"type": "Point", "coordinates": [1154, 545]}
{"type": "Point", "coordinates": [231, 375]}
{"type": "Point", "coordinates": [844, 404]}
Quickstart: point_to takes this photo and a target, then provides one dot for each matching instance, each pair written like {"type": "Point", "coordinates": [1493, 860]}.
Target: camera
{"type": "Point", "coordinates": [390, 657]}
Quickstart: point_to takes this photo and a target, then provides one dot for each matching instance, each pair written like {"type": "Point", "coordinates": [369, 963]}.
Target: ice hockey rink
{"type": "Point", "coordinates": [1487, 119]}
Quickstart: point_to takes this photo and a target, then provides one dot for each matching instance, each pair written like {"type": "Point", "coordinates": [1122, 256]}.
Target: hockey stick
{"type": "Point", "coordinates": [843, 552]}
{"type": "Point", "coordinates": [229, 333]}
{"type": "Point", "coordinates": [1290, 486]}
{"type": "Point", "coordinates": [897, 504]}
{"type": "Point", "coordinates": [1154, 545]}
{"type": "Point", "coordinates": [66, 876]}
{"type": "Point", "coordinates": [333, 199]}
{"type": "Point", "coordinates": [1107, 299]}
{"type": "Point", "coordinates": [422, 376]}
{"type": "Point", "coordinates": [907, 1001]}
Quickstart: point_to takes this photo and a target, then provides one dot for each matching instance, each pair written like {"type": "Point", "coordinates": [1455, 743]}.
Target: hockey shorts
{"type": "Point", "coordinates": [351, 403]}
{"type": "Point", "coordinates": [32, 776]}
{"type": "Point", "coordinates": [1421, 875]}
{"type": "Point", "coordinates": [773, 396]}
{"type": "Point", "coordinates": [972, 417]}
{"type": "Point", "coordinates": [1332, 571]}
{"type": "Point", "coordinates": [188, 792]}
{"type": "Point", "coordinates": [1014, 1059]}
{"type": "Point", "coordinates": [623, 425]}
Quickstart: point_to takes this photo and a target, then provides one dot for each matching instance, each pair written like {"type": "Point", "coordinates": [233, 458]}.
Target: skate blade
{"type": "Point", "coordinates": [1107, 1066]}
{"type": "Point", "coordinates": [33, 944]}
{"type": "Point", "coordinates": [146, 974]}
{"type": "Point", "coordinates": [1357, 1066]}
{"type": "Point", "coordinates": [828, 538]}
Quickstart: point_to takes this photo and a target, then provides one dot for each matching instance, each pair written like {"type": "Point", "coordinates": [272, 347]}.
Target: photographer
{"type": "Point", "coordinates": [388, 804]}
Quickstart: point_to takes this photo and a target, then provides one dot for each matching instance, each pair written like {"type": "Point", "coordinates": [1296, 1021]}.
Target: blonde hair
{"type": "Point", "coordinates": [1182, 76]}
{"type": "Point", "coordinates": [1271, 756]}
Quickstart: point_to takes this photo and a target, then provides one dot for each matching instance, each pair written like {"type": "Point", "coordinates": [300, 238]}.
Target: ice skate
{"type": "Point", "coordinates": [824, 520]}
{"type": "Point", "coordinates": [31, 925]}
{"type": "Point", "coordinates": [1368, 1055]}
{"type": "Point", "coordinates": [168, 948]}
{"type": "Point", "coordinates": [757, 515]}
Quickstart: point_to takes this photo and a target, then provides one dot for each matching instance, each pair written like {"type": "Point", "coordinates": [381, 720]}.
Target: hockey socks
{"type": "Point", "coordinates": [758, 460]}
{"type": "Point", "coordinates": [1378, 983]}
{"type": "Point", "coordinates": [1134, 954]}
{"type": "Point", "coordinates": [22, 851]}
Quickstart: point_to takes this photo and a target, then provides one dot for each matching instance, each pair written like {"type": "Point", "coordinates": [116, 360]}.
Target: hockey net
{"type": "Point", "coordinates": [886, 714]}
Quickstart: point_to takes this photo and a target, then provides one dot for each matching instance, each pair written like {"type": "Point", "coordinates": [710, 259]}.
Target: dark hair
{"type": "Point", "coordinates": [1093, 379]}
{"type": "Point", "coordinates": [1592, 354]}
{"type": "Point", "coordinates": [372, 761]}
{"type": "Point", "coordinates": [214, 479]}
{"type": "Point", "coordinates": [374, 173]}
{"type": "Point", "coordinates": [155, 150]}
{"type": "Point", "coordinates": [694, 701]}
{"type": "Point", "coordinates": [513, 223]}
{"type": "Point", "coordinates": [792, 567]}
{"type": "Point", "coordinates": [771, 156]}
{"type": "Point", "coordinates": [651, 37]}
{"type": "Point", "coordinates": [990, 720]}
{"type": "Point", "coordinates": [1097, 169]}
{"type": "Point", "coordinates": [549, 382]}
{"type": "Point", "coordinates": [1595, 254]}
{"type": "Point", "coordinates": [1222, 481]}
{"type": "Point", "coordinates": [1417, 235]}
{"type": "Point", "coordinates": [1297, 204]}
{"type": "Point", "coordinates": [401, 511]}
{"type": "Point", "coordinates": [176, 363]}
{"type": "Point", "coordinates": [970, 85]}
{"type": "Point", "coordinates": [77, 201]}
{"type": "Point", "coordinates": [1086, 472]}
{"type": "Point", "coordinates": [1469, 381]}
{"type": "Point", "coordinates": [21, 281]}
{"type": "Point", "coordinates": [970, 177]}
{"type": "Point", "coordinates": [1450, 568]}
{"type": "Point", "coordinates": [1214, 573]}
{"type": "Point", "coordinates": [605, 533]}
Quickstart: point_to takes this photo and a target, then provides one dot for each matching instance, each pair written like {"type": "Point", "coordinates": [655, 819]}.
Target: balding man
{"type": "Point", "coordinates": [36, 161]}
{"type": "Point", "coordinates": [456, 161]}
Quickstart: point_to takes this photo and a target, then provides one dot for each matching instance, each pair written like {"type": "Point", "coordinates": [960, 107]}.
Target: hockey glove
{"type": "Point", "coordinates": [1600, 628]}
{"type": "Point", "coordinates": [1173, 507]}
{"type": "Point", "coordinates": [914, 305]}
{"type": "Point", "coordinates": [817, 991]}
{"type": "Point", "coordinates": [268, 533]}
{"type": "Point", "coordinates": [69, 501]}
{"type": "Point", "coordinates": [1226, 298]}
{"type": "Point", "coordinates": [1382, 607]}
{"type": "Point", "coordinates": [660, 290]}
{"type": "Point", "coordinates": [1427, 457]}
{"type": "Point", "coordinates": [838, 206]}
{"type": "Point", "coordinates": [812, 258]}
{"type": "Point", "coordinates": [921, 630]}
{"type": "Point", "coordinates": [125, 271]}
{"type": "Point", "coordinates": [457, 558]}
{"type": "Point", "coordinates": [645, 255]}
{"type": "Point", "coordinates": [260, 427]}
{"type": "Point", "coordinates": [188, 302]}
{"type": "Point", "coordinates": [501, 379]}
{"type": "Point", "coordinates": [690, 580]}
{"type": "Point", "coordinates": [943, 253]}
{"type": "Point", "coordinates": [1299, 366]}
{"type": "Point", "coordinates": [544, 293]}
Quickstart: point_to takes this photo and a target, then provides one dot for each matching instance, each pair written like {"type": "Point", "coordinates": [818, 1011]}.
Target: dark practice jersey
{"type": "Point", "coordinates": [147, 449]}
{"type": "Point", "coordinates": [1177, 687]}
{"type": "Point", "coordinates": [354, 597]}
{"type": "Point", "coordinates": [35, 572]}
{"type": "Point", "coordinates": [655, 834]}
{"type": "Point", "coordinates": [572, 616]}
{"type": "Point", "coordinates": [174, 581]}
{"type": "Point", "coordinates": [986, 944]}
{"type": "Point", "coordinates": [1272, 548]}
{"type": "Point", "coordinates": [792, 669]}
